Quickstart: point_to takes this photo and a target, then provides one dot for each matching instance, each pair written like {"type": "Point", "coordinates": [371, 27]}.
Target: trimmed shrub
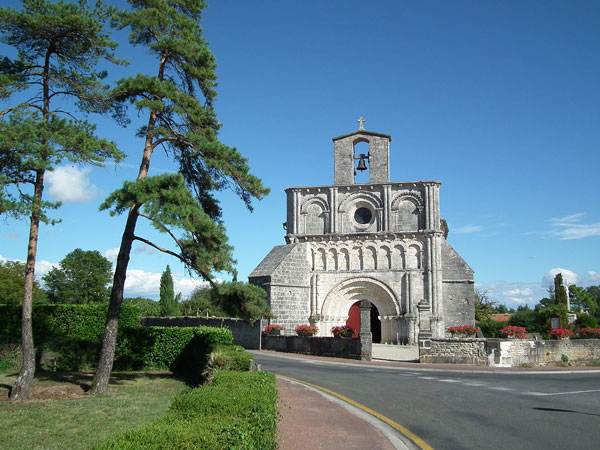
{"type": "Point", "coordinates": [84, 322]}
{"type": "Point", "coordinates": [491, 328]}
{"type": "Point", "coordinates": [527, 319]}
{"type": "Point", "coordinates": [230, 357]}
{"type": "Point", "coordinates": [238, 410]}
{"type": "Point", "coordinates": [586, 321]}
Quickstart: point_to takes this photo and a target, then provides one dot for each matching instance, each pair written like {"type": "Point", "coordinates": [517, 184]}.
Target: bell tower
{"type": "Point", "coordinates": [376, 161]}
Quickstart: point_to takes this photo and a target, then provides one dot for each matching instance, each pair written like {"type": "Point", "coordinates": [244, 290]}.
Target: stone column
{"type": "Point", "coordinates": [365, 336]}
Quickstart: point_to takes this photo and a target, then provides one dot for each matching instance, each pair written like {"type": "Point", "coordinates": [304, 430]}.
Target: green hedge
{"type": "Point", "coordinates": [85, 322]}
{"type": "Point", "coordinates": [238, 410]}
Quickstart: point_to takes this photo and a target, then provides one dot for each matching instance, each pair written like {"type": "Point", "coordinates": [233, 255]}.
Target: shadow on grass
{"type": "Point", "coordinates": [84, 379]}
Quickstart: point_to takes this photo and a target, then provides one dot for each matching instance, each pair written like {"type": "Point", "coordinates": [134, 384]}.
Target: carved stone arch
{"type": "Point", "coordinates": [332, 258]}
{"type": "Point", "coordinates": [415, 196]}
{"type": "Point", "coordinates": [342, 296]}
{"type": "Point", "coordinates": [398, 256]}
{"type": "Point", "coordinates": [414, 256]}
{"type": "Point", "coordinates": [369, 257]}
{"type": "Point", "coordinates": [407, 212]}
{"type": "Point", "coordinates": [384, 257]}
{"type": "Point", "coordinates": [315, 212]}
{"type": "Point", "coordinates": [358, 197]}
{"type": "Point", "coordinates": [344, 258]}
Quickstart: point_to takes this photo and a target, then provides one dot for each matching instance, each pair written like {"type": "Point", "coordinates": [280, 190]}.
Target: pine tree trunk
{"type": "Point", "coordinates": [22, 387]}
{"type": "Point", "coordinates": [107, 353]}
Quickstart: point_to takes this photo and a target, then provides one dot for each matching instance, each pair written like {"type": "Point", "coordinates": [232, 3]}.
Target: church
{"type": "Point", "coordinates": [380, 241]}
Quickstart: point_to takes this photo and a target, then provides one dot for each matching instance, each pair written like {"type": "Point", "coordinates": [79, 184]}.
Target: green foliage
{"type": "Point", "coordinates": [230, 357]}
{"type": "Point", "coordinates": [12, 281]}
{"type": "Point", "coordinates": [491, 328]}
{"type": "Point", "coordinates": [82, 277]}
{"type": "Point", "coordinates": [484, 306]}
{"type": "Point", "coordinates": [169, 306]}
{"type": "Point", "coordinates": [58, 45]}
{"type": "Point", "coordinates": [201, 303]}
{"type": "Point", "coordinates": [582, 299]}
{"type": "Point", "coordinates": [545, 315]}
{"type": "Point", "coordinates": [243, 300]}
{"type": "Point", "coordinates": [238, 410]}
{"type": "Point", "coordinates": [146, 306]}
{"type": "Point", "coordinates": [526, 318]}
{"type": "Point", "coordinates": [586, 320]}
{"type": "Point", "coordinates": [560, 292]}
{"type": "Point", "coordinates": [85, 322]}
{"type": "Point", "coordinates": [229, 299]}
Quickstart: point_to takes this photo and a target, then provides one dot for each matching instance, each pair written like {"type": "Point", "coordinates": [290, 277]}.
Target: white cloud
{"type": "Point", "coordinates": [140, 283]}
{"type": "Point", "coordinates": [146, 249]}
{"type": "Point", "coordinates": [514, 294]}
{"type": "Point", "coordinates": [569, 277]}
{"type": "Point", "coordinates": [569, 227]}
{"type": "Point", "coordinates": [71, 185]}
{"type": "Point", "coordinates": [521, 292]}
{"type": "Point", "coordinates": [41, 267]}
{"type": "Point", "coordinates": [593, 277]}
{"type": "Point", "coordinates": [467, 229]}
{"type": "Point", "coordinates": [111, 254]}
{"type": "Point", "coordinates": [12, 236]}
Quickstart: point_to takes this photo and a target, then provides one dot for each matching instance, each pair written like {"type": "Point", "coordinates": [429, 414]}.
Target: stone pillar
{"type": "Point", "coordinates": [365, 336]}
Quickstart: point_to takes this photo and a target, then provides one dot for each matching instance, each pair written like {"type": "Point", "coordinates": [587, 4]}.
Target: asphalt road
{"type": "Point", "coordinates": [466, 410]}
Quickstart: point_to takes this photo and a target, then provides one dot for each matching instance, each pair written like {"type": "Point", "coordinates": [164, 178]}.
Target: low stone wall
{"type": "Point", "coordinates": [521, 352]}
{"type": "Point", "coordinates": [508, 352]}
{"type": "Point", "coordinates": [248, 336]}
{"type": "Point", "coordinates": [319, 346]}
{"type": "Point", "coordinates": [453, 351]}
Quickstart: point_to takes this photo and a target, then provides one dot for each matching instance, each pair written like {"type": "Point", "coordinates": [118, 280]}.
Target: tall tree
{"type": "Point", "coordinates": [82, 276]}
{"type": "Point", "coordinates": [169, 304]}
{"type": "Point", "coordinates": [12, 281]}
{"type": "Point", "coordinates": [179, 103]}
{"type": "Point", "coordinates": [560, 291]}
{"type": "Point", "coordinates": [58, 46]}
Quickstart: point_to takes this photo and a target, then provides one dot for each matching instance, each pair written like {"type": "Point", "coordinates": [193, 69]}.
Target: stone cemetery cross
{"type": "Point", "coordinates": [365, 336]}
{"type": "Point", "coordinates": [361, 122]}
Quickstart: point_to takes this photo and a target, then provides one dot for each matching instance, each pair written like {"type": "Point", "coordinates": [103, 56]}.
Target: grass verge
{"type": "Point", "coordinates": [61, 416]}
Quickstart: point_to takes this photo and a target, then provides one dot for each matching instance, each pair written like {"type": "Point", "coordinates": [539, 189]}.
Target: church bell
{"type": "Point", "coordinates": [362, 165]}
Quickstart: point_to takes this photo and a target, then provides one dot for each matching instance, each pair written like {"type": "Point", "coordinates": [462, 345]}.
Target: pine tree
{"type": "Point", "coordinates": [169, 305]}
{"type": "Point", "coordinates": [560, 292]}
{"type": "Point", "coordinates": [179, 103]}
{"type": "Point", "coordinates": [58, 46]}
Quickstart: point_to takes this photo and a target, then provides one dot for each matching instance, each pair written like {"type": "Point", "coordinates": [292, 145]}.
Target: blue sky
{"type": "Point", "coordinates": [500, 101]}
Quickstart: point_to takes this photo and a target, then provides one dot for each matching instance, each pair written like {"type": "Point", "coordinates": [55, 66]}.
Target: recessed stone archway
{"type": "Point", "coordinates": [339, 300]}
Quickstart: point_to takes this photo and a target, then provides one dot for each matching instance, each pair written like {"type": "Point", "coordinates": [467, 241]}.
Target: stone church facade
{"type": "Point", "coordinates": [380, 241]}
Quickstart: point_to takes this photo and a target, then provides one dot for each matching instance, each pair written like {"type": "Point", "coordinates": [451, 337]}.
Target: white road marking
{"type": "Point", "coordinates": [559, 393]}
{"type": "Point", "coordinates": [451, 381]}
{"type": "Point", "coordinates": [500, 388]}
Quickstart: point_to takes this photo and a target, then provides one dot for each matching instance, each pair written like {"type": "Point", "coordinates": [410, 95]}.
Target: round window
{"type": "Point", "coordinates": [363, 216]}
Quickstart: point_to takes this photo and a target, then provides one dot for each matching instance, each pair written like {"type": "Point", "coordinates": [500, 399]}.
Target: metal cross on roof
{"type": "Point", "coordinates": [361, 121]}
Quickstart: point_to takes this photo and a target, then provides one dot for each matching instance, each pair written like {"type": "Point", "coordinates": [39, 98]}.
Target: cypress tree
{"type": "Point", "coordinates": [168, 303]}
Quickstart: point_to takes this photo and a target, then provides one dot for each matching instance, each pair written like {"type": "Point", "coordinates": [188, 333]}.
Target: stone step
{"type": "Point", "coordinates": [395, 352]}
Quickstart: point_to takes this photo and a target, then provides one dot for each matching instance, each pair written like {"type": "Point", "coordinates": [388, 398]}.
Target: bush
{"type": "Point", "coordinates": [230, 357]}
{"type": "Point", "coordinates": [53, 321]}
{"type": "Point", "coordinates": [491, 328]}
{"type": "Point", "coordinates": [238, 410]}
{"type": "Point", "coordinates": [527, 319]}
{"type": "Point", "coordinates": [586, 321]}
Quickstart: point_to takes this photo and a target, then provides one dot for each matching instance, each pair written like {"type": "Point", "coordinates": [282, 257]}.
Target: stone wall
{"type": "Point", "coordinates": [508, 352]}
{"type": "Point", "coordinates": [319, 346]}
{"type": "Point", "coordinates": [248, 336]}
{"type": "Point", "coordinates": [520, 352]}
{"type": "Point", "coordinates": [453, 351]}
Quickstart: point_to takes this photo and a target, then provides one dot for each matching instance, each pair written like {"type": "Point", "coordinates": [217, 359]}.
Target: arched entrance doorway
{"type": "Point", "coordinates": [354, 322]}
{"type": "Point", "coordinates": [339, 308]}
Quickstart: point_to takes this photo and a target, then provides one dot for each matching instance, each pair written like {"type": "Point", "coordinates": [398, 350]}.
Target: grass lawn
{"type": "Point", "coordinates": [60, 415]}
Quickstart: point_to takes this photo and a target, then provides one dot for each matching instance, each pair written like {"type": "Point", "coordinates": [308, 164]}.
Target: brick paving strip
{"type": "Point", "coordinates": [309, 421]}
